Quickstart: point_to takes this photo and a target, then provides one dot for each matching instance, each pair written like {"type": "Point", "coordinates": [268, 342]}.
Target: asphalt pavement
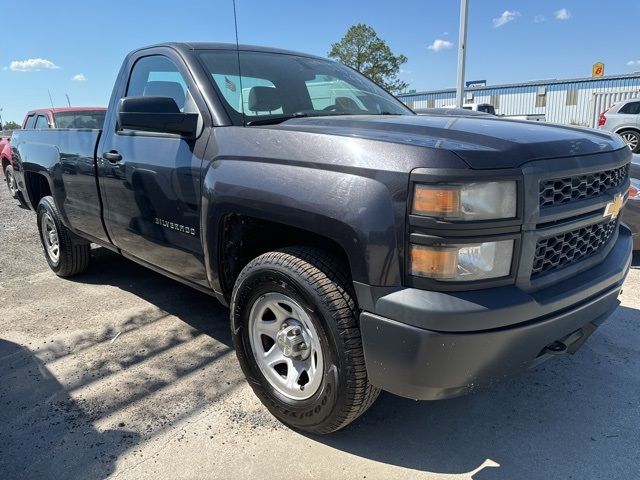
{"type": "Point", "coordinates": [126, 374]}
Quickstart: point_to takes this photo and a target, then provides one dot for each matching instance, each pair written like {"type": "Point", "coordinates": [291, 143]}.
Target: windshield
{"type": "Point", "coordinates": [280, 86]}
{"type": "Point", "coordinates": [84, 119]}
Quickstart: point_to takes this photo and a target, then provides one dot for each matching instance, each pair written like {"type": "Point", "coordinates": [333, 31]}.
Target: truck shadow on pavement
{"type": "Point", "coordinates": [45, 434]}
{"type": "Point", "coordinates": [198, 309]}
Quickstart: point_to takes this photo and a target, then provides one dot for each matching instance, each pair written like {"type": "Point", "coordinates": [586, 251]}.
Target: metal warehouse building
{"type": "Point", "coordinates": [576, 101]}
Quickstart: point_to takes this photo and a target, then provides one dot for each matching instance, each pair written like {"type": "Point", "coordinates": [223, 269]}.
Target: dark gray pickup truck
{"type": "Point", "coordinates": [359, 246]}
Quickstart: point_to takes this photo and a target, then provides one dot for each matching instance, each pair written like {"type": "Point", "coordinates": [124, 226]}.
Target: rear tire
{"type": "Point", "coordinates": [316, 292]}
{"type": "Point", "coordinates": [10, 177]}
{"type": "Point", "coordinates": [66, 253]}
{"type": "Point", "coordinates": [632, 139]}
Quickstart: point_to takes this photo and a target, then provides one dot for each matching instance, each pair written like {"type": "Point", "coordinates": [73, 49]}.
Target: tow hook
{"type": "Point", "coordinates": [556, 348]}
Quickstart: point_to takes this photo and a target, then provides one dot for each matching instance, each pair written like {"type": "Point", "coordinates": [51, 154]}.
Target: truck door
{"type": "Point", "coordinates": [150, 182]}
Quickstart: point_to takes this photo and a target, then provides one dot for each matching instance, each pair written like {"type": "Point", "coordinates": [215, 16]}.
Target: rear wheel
{"type": "Point", "coordinates": [296, 335]}
{"type": "Point", "coordinates": [66, 253]}
{"type": "Point", "coordinates": [632, 139]}
{"type": "Point", "coordinates": [10, 177]}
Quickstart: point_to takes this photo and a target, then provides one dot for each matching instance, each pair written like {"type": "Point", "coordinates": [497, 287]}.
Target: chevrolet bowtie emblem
{"type": "Point", "coordinates": [613, 208]}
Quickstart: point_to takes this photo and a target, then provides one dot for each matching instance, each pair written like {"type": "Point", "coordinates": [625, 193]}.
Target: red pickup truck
{"type": "Point", "coordinates": [43, 118]}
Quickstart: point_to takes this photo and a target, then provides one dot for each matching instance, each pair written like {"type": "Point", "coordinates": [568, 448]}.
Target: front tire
{"type": "Point", "coordinates": [632, 139]}
{"type": "Point", "coordinates": [66, 253]}
{"type": "Point", "coordinates": [295, 331]}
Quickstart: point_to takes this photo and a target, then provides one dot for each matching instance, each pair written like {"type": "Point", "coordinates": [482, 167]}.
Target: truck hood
{"type": "Point", "coordinates": [482, 142]}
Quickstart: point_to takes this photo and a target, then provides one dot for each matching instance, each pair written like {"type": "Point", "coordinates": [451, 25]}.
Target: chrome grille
{"type": "Point", "coordinates": [559, 251]}
{"type": "Point", "coordinates": [563, 190]}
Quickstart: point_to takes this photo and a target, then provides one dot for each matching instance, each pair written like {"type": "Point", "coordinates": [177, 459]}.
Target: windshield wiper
{"type": "Point", "coordinates": [284, 118]}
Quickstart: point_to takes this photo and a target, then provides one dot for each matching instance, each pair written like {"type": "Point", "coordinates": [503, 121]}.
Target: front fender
{"type": "Point", "coordinates": [359, 213]}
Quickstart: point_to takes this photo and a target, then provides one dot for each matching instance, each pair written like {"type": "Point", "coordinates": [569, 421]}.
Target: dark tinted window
{"type": "Point", "coordinates": [41, 122]}
{"type": "Point", "coordinates": [31, 120]}
{"type": "Point", "coordinates": [631, 108]}
{"type": "Point", "coordinates": [86, 119]}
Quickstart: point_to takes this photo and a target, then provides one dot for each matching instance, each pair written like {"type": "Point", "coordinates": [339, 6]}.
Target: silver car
{"type": "Point", "coordinates": [623, 118]}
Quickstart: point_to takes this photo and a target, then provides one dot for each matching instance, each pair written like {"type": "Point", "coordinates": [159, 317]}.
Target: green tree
{"type": "Point", "coordinates": [10, 126]}
{"type": "Point", "coordinates": [362, 49]}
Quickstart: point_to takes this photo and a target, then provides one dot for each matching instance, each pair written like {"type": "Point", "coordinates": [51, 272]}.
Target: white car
{"type": "Point", "coordinates": [623, 118]}
{"type": "Point", "coordinates": [476, 107]}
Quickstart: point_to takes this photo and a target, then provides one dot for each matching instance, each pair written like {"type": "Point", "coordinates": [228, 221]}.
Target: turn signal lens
{"type": "Point", "coordinates": [433, 262]}
{"type": "Point", "coordinates": [436, 201]}
{"type": "Point", "coordinates": [462, 262]}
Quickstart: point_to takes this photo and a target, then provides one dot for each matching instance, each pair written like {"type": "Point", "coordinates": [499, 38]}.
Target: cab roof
{"type": "Point", "coordinates": [193, 46]}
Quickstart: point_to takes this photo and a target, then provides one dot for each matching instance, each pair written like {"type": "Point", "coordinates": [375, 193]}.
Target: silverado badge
{"type": "Point", "coordinates": [613, 208]}
{"type": "Point", "coordinates": [176, 226]}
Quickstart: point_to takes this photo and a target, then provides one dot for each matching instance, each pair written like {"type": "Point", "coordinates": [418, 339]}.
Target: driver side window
{"type": "Point", "coordinates": [158, 76]}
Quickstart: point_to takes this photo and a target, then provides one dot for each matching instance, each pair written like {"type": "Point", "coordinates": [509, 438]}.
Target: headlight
{"type": "Point", "coordinates": [469, 201]}
{"type": "Point", "coordinates": [462, 262]}
{"type": "Point", "coordinates": [634, 189]}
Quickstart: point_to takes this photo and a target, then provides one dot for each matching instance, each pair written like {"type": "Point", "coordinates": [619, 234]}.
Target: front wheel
{"type": "Point", "coordinates": [66, 253]}
{"type": "Point", "coordinates": [296, 335]}
{"type": "Point", "coordinates": [632, 139]}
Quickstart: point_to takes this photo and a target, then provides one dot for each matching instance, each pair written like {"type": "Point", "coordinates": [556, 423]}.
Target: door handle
{"type": "Point", "coordinates": [112, 156]}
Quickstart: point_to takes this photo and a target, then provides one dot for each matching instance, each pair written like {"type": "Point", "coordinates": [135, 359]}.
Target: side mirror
{"type": "Point", "coordinates": [155, 114]}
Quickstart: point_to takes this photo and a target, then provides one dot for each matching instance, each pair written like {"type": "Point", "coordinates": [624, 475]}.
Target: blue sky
{"type": "Point", "coordinates": [48, 44]}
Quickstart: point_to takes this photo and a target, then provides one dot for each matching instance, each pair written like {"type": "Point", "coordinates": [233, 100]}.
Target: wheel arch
{"type": "Point", "coordinates": [37, 186]}
{"type": "Point", "coordinates": [627, 128]}
{"type": "Point", "coordinates": [241, 238]}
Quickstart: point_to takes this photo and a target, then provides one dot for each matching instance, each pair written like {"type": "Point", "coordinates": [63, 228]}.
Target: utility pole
{"type": "Point", "coordinates": [462, 52]}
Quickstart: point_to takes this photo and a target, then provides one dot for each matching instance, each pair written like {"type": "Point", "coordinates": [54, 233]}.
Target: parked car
{"type": "Point", "coordinates": [360, 247]}
{"type": "Point", "coordinates": [70, 117]}
{"type": "Point", "coordinates": [623, 118]}
{"type": "Point", "coordinates": [476, 107]}
{"type": "Point", "coordinates": [67, 117]}
{"type": "Point", "coordinates": [450, 111]}
{"type": "Point", "coordinates": [631, 214]}
{"type": "Point", "coordinates": [7, 165]}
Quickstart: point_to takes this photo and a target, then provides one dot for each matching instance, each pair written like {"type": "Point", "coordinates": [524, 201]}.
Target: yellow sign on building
{"type": "Point", "coordinates": [597, 70]}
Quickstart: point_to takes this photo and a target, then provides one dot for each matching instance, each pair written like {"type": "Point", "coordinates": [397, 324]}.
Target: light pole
{"type": "Point", "coordinates": [462, 52]}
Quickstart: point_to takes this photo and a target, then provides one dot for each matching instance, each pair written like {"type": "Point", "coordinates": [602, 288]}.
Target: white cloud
{"type": "Point", "coordinates": [79, 78]}
{"type": "Point", "coordinates": [32, 65]}
{"type": "Point", "coordinates": [633, 63]}
{"type": "Point", "coordinates": [563, 14]}
{"type": "Point", "coordinates": [539, 19]}
{"type": "Point", "coordinates": [439, 44]}
{"type": "Point", "coordinates": [506, 17]}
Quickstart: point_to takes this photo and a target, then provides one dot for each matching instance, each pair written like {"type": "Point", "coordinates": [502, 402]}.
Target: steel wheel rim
{"type": "Point", "coordinates": [50, 238]}
{"type": "Point", "coordinates": [631, 140]}
{"type": "Point", "coordinates": [11, 182]}
{"type": "Point", "coordinates": [273, 320]}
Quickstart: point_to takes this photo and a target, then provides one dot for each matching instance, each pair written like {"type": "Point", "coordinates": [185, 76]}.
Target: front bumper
{"type": "Point", "coordinates": [434, 345]}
